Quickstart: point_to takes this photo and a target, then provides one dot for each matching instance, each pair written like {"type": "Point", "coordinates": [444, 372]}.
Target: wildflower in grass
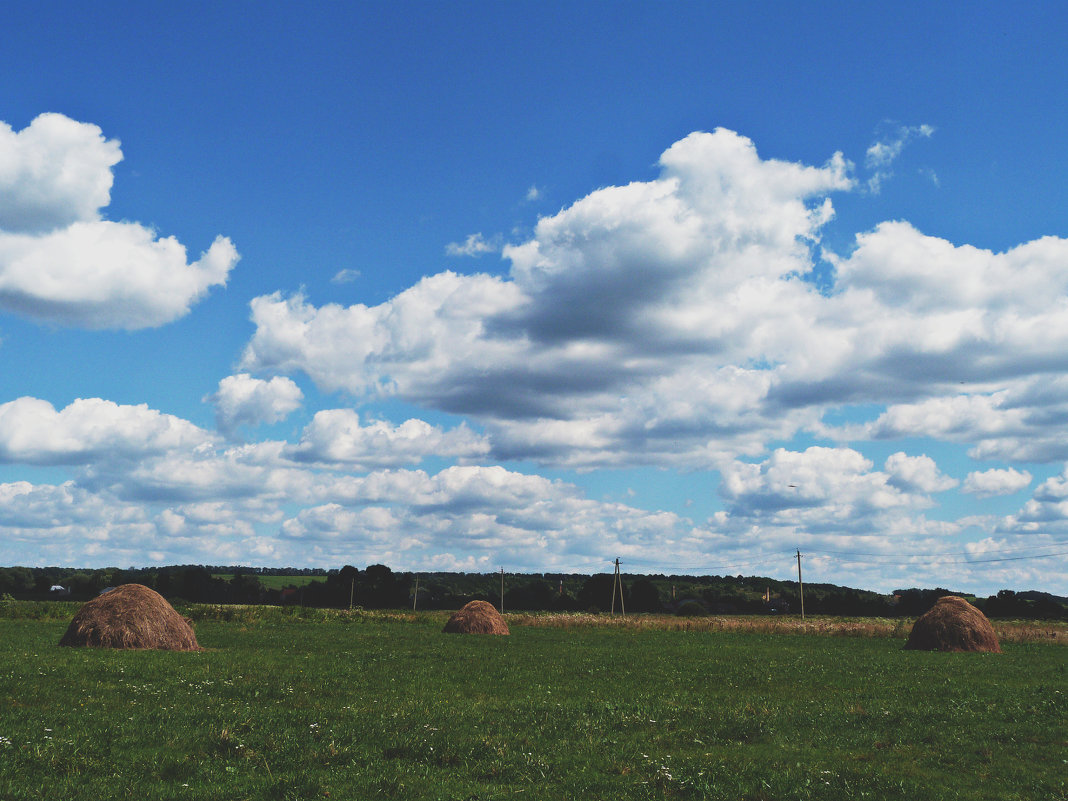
{"type": "Point", "coordinates": [4, 741]}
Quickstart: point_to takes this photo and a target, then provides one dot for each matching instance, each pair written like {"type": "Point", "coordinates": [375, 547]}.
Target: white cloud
{"type": "Point", "coordinates": [89, 430]}
{"type": "Point", "coordinates": [250, 475]}
{"type": "Point", "coordinates": [533, 194]}
{"type": "Point", "coordinates": [60, 262]}
{"type": "Point", "coordinates": [989, 483]}
{"type": "Point", "coordinates": [1019, 422]}
{"type": "Point", "coordinates": [644, 292]}
{"type": "Point", "coordinates": [65, 524]}
{"type": "Point", "coordinates": [630, 289]}
{"type": "Point", "coordinates": [668, 322]}
{"type": "Point", "coordinates": [1043, 519]}
{"type": "Point", "coordinates": [411, 340]}
{"type": "Point", "coordinates": [475, 245]}
{"type": "Point", "coordinates": [53, 173]}
{"type": "Point", "coordinates": [477, 513]}
{"type": "Point", "coordinates": [917, 474]}
{"type": "Point", "coordinates": [242, 400]}
{"type": "Point", "coordinates": [107, 275]}
{"type": "Point", "coordinates": [820, 487]}
{"type": "Point", "coordinates": [336, 436]}
{"type": "Point", "coordinates": [885, 151]}
{"type": "Point", "coordinates": [346, 276]}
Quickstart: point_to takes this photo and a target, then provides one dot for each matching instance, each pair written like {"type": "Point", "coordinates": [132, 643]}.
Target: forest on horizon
{"type": "Point", "coordinates": [379, 587]}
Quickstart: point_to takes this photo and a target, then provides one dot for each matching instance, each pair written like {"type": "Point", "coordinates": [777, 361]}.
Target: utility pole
{"type": "Point", "coordinates": [502, 590]}
{"type": "Point", "coordinates": [617, 581]}
{"type": "Point", "coordinates": [415, 596]}
{"type": "Point", "coordinates": [800, 586]}
{"type": "Point", "coordinates": [352, 592]}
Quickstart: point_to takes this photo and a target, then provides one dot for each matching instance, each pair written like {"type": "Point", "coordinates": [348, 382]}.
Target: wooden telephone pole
{"type": "Point", "coordinates": [800, 586]}
{"type": "Point", "coordinates": [502, 590]}
{"type": "Point", "coordinates": [617, 581]}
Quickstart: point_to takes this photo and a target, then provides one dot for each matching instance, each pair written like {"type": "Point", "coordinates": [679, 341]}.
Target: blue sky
{"type": "Point", "coordinates": [536, 285]}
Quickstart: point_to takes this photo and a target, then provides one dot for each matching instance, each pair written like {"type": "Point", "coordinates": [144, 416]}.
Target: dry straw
{"type": "Point", "coordinates": [477, 617]}
{"type": "Point", "coordinates": [953, 624]}
{"type": "Point", "coordinates": [130, 616]}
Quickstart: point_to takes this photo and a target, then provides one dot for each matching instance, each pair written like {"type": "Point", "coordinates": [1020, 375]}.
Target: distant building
{"type": "Point", "coordinates": [58, 590]}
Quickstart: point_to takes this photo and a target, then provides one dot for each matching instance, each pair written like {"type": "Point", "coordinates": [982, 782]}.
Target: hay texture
{"type": "Point", "coordinates": [130, 616]}
{"type": "Point", "coordinates": [953, 624]}
{"type": "Point", "coordinates": [477, 617]}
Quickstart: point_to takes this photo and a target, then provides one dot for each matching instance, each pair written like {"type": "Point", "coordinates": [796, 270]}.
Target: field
{"type": "Point", "coordinates": [305, 705]}
{"type": "Point", "coordinates": [275, 582]}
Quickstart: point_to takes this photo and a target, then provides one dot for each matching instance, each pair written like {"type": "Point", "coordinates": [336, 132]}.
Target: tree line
{"type": "Point", "coordinates": [379, 587]}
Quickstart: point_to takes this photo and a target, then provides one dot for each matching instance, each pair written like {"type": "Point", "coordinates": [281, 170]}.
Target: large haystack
{"type": "Point", "coordinates": [953, 624]}
{"type": "Point", "coordinates": [477, 617]}
{"type": "Point", "coordinates": [130, 616]}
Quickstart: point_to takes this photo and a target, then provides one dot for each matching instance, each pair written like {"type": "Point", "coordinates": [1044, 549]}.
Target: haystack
{"type": "Point", "coordinates": [477, 617]}
{"type": "Point", "coordinates": [953, 624]}
{"type": "Point", "coordinates": [130, 616]}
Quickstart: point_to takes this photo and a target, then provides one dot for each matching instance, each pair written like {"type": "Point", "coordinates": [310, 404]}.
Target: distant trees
{"type": "Point", "coordinates": [596, 593]}
{"type": "Point", "coordinates": [378, 587]}
{"type": "Point", "coordinates": [16, 580]}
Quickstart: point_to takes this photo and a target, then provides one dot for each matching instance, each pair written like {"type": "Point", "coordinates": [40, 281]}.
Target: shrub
{"type": "Point", "coordinates": [690, 608]}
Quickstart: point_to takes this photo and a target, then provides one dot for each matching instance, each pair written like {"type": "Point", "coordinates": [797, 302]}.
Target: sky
{"type": "Point", "coordinates": [538, 285]}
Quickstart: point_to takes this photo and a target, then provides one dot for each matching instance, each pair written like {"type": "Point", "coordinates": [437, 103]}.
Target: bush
{"type": "Point", "coordinates": [690, 608]}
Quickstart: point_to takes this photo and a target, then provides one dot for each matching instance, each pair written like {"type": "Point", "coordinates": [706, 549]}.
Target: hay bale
{"type": "Point", "coordinates": [477, 617]}
{"type": "Point", "coordinates": [953, 624]}
{"type": "Point", "coordinates": [130, 616]}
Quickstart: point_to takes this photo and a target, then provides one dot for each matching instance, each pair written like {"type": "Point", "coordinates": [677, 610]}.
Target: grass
{"type": "Point", "coordinates": [271, 582]}
{"type": "Point", "coordinates": [322, 704]}
{"type": "Point", "coordinates": [1045, 631]}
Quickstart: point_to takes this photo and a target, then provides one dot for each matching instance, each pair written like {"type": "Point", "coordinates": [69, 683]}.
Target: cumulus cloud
{"type": "Point", "coordinates": [917, 474]}
{"type": "Point", "coordinates": [60, 262]}
{"type": "Point", "coordinates": [626, 315]}
{"type": "Point", "coordinates": [1044, 517]}
{"type": "Point", "coordinates": [53, 173]}
{"type": "Point", "coordinates": [475, 512]}
{"type": "Point", "coordinates": [89, 430]}
{"type": "Point", "coordinates": [244, 400]}
{"type": "Point", "coordinates": [988, 483]}
{"type": "Point", "coordinates": [336, 436]}
{"type": "Point", "coordinates": [820, 486]}
{"type": "Point", "coordinates": [625, 293]}
{"type": "Point", "coordinates": [1020, 422]}
{"type": "Point", "coordinates": [107, 275]}
{"type": "Point", "coordinates": [407, 342]}
{"type": "Point", "coordinates": [831, 501]}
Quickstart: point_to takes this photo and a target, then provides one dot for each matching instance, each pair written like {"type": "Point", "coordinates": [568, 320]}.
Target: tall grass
{"type": "Point", "coordinates": [1053, 632]}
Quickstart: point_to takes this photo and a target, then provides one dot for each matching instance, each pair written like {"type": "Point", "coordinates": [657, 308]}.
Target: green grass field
{"type": "Point", "coordinates": [364, 706]}
{"type": "Point", "coordinates": [276, 582]}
